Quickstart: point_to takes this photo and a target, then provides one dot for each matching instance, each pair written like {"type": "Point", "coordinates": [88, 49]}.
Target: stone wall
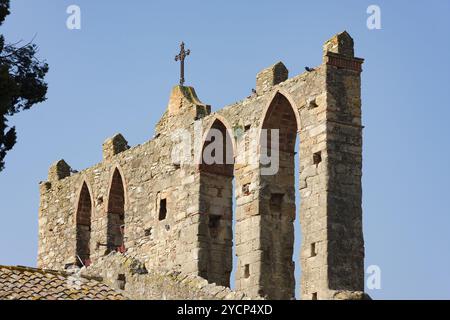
{"type": "Point", "coordinates": [130, 275]}
{"type": "Point", "coordinates": [175, 212]}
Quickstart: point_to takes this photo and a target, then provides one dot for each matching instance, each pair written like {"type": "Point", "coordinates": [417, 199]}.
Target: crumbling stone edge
{"type": "Point", "coordinates": [134, 280]}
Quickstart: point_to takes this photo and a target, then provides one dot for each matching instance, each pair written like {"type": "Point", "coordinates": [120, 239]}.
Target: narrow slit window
{"type": "Point", "coordinates": [247, 271]}
{"type": "Point", "coordinates": [121, 281]}
{"type": "Point", "coordinates": [214, 225]}
{"type": "Point", "coordinates": [317, 158]}
{"type": "Point", "coordinates": [246, 189]}
{"type": "Point", "coordinates": [162, 209]}
{"type": "Point", "coordinates": [313, 249]}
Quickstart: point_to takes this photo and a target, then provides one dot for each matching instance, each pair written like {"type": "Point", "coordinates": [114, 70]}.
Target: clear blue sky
{"type": "Point", "coordinates": [115, 75]}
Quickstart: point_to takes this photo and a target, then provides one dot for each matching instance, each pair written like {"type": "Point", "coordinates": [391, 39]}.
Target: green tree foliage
{"type": "Point", "coordinates": [22, 83]}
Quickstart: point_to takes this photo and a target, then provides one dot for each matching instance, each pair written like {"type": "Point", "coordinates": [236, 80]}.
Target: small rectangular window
{"type": "Point", "coordinates": [312, 103]}
{"type": "Point", "coordinates": [313, 250]}
{"type": "Point", "coordinates": [162, 209]}
{"type": "Point", "coordinates": [214, 226]}
{"type": "Point", "coordinates": [314, 296]}
{"type": "Point", "coordinates": [276, 201]}
{"type": "Point", "coordinates": [214, 221]}
{"type": "Point", "coordinates": [317, 158]}
{"type": "Point", "coordinates": [247, 271]}
{"type": "Point", "coordinates": [121, 281]}
{"type": "Point", "coordinates": [246, 189]}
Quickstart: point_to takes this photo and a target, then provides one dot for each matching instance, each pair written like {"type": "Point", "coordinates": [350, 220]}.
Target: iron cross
{"type": "Point", "coordinates": [181, 56]}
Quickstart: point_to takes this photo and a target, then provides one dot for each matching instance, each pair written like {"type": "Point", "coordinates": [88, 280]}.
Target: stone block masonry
{"type": "Point", "coordinates": [177, 215]}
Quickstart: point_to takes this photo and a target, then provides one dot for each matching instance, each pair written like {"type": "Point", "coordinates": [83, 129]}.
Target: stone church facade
{"type": "Point", "coordinates": [176, 213]}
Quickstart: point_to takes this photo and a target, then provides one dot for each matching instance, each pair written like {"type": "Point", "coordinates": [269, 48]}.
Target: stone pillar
{"type": "Point", "coordinates": [313, 206]}
{"type": "Point", "coordinates": [345, 245]}
{"type": "Point", "coordinates": [249, 250]}
{"type": "Point", "coordinates": [332, 253]}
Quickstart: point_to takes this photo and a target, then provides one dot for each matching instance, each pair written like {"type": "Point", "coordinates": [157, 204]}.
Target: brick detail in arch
{"type": "Point", "coordinates": [281, 116]}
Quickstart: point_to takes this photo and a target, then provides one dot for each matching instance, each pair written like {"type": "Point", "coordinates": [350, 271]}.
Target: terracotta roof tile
{"type": "Point", "coordinates": [22, 283]}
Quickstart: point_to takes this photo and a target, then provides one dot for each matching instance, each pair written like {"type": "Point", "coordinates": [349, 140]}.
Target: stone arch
{"type": "Point", "coordinates": [116, 212]}
{"type": "Point", "coordinates": [216, 119]}
{"type": "Point", "coordinates": [83, 218]}
{"type": "Point", "coordinates": [216, 206]}
{"type": "Point", "coordinates": [277, 197]}
{"type": "Point", "coordinates": [283, 93]}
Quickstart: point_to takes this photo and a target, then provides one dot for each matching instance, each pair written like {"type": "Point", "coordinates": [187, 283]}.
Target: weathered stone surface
{"type": "Point", "coordinates": [142, 284]}
{"type": "Point", "coordinates": [351, 295]}
{"type": "Point", "coordinates": [341, 43]}
{"type": "Point", "coordinates": [59, 170]}
{"type": "Point", "coordinates": [270, 77]}
{"type": "Point", "coordinates": [173, 213]}
{"type": "Point", "coordinates": [113, 146]}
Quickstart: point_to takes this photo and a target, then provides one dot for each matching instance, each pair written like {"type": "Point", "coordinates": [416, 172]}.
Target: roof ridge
{"type": "Point", "coordinates": [50, 271]}
{"type": "Point", "coordinates": [15, 282]}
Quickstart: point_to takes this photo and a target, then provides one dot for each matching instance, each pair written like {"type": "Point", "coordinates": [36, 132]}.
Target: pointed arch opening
{"type": "Point", "coordinates": [116, 214]}
{"type": "Point", "coordinates": [83, 226]}
{"type": "Point", "coordinates": [278, 198]}
{"type": "Point", "coordinates": [216, 205]}
{"type": "Point", "coordinates": [280, 115]}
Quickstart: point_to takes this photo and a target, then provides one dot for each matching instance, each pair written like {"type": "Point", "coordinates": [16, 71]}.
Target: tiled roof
{"type": "Point", "coordinates": [22, 283]}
